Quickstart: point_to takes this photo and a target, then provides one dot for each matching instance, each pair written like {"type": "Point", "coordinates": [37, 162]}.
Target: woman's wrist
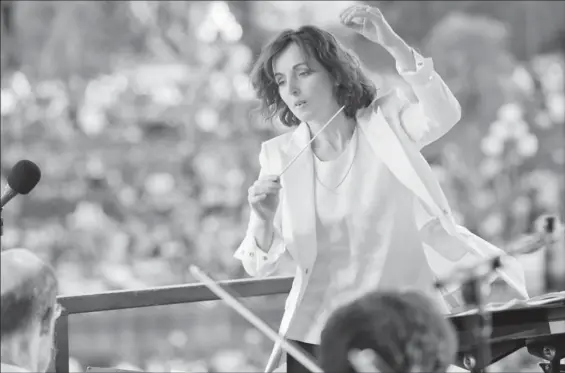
{"type": "Point", "coordinates": [263, 233]}
{"type": "Point", "coordinates": [403, 54]}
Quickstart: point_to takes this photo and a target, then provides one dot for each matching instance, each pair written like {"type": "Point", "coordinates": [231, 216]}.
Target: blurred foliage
{"type": "Point", "coordinates": [140, 115]}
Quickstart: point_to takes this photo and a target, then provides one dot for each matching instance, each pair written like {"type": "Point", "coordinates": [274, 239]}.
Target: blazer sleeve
{"type": "Point", "coordinates": [255, 261]}
{"type": "Point", "coordinates": [437, 110]}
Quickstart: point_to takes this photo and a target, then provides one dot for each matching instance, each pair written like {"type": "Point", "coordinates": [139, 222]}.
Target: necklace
{"type": "Point", "coordinates": [355, 139]}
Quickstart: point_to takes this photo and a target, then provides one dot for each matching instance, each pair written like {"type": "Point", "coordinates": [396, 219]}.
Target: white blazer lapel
{"type": "Point", "coordinates": [298, 186]}
{"type": "Point", "coordinates": [388, 148]}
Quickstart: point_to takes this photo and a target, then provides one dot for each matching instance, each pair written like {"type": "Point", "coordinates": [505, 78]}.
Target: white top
{"type": "Point", "coordinates": [377, 248]}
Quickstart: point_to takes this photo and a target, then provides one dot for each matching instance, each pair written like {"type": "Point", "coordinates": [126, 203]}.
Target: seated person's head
{"type": "Point", "coordinates": [28, 311]}
{"type": "Point", "coordinates": [405, 330]}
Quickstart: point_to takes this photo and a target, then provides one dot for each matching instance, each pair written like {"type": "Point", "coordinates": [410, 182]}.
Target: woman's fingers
{"type": "Point", "coordinates": [264, 187]}
{"type": "Point", "coordinates": [257, 198]}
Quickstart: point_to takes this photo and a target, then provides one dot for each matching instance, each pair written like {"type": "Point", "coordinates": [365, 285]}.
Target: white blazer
{"type": "Point", "coordinates": [396, 130]}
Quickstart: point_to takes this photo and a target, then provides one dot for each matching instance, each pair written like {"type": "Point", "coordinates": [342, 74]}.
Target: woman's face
{"type": "Point", "coordinates": [304, 85]}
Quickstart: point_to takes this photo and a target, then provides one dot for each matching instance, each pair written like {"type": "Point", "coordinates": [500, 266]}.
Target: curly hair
{"type": "Point", "coordinates": [404, 329]}
{"type": "Point", "coordinates": [352, 88]}
{"type": "Point", "coordinates": [33, 299]}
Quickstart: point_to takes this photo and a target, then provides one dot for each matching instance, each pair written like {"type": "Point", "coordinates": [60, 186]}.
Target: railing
{"type": "Point", "coordinates": [158, 296]}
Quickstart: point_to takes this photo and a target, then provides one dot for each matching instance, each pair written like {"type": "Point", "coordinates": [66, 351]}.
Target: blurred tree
{"type": "Point", "coordinates": [7, 8]}
{"type": "Point", "coordinates": [167, 27]}
{"type": "Point", "coordinates": [470, 53]}
{"type": "Point", "coordinates": [246, 14]}
{"type": "Point", "coordinates": [527, 35]}
{"type": "Point", "coordinates": [73, 39]}
{"type": "Point", "coordinates": [9, 57]}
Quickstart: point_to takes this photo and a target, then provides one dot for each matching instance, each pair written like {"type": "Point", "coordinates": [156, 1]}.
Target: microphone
{"type": "Point", "coordinates": [23, 177]}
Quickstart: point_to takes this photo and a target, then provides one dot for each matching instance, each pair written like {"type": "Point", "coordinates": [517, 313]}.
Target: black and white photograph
{"type": "Point", "coordinates": [282, 186]}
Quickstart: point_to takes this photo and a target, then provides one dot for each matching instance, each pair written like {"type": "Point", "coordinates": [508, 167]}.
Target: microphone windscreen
{"type": "Point", "coordinates": [24, 176]}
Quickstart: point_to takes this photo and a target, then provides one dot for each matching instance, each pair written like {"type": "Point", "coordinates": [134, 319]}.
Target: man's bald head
{"type": "Point", "coordinates": [29, 289]}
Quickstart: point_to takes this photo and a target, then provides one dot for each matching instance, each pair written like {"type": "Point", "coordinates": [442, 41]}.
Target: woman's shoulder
{"type": "Point", "coordinates": [279, 142]}
{"type": "Point", "coordinates": [272, 149]}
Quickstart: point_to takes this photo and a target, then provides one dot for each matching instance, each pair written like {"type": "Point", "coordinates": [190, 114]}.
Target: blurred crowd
{"type": "Point", "coordinates": [146, 167]}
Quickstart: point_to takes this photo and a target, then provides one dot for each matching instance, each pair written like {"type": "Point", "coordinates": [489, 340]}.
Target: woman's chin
{"type": "Point", "coordinates": [303, 117]}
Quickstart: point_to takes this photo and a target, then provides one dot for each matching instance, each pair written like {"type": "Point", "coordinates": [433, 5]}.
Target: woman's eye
{"type": "Point", "coordinates": [304, 73]}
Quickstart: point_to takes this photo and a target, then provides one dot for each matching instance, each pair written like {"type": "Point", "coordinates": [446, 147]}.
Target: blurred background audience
{"type": "Point", "coordinates": [140, 115]}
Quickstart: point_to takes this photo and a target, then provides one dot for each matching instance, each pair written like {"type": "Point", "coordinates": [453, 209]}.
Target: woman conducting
{"type": "Point", "coordinates": [358, 209]}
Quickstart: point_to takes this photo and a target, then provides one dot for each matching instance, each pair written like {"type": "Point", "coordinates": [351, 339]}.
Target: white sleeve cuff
{"type": "Point", "coordinates": [257, 262]}
{"type": "Point", "coordinates": [424, 70]}
{"type": "Point", "coordinates": [250, 250]}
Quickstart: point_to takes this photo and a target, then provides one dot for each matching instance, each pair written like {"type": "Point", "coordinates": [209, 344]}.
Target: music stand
{"type": "Point", "coordinates": [479, 323]}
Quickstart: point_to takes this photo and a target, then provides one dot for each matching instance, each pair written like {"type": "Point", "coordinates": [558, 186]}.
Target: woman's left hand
{"type": "Point", "coordinates": [370, 23]}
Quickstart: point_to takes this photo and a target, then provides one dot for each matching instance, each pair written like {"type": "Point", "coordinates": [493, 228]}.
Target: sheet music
{"type": "Point", "coordinates": [519, 303]}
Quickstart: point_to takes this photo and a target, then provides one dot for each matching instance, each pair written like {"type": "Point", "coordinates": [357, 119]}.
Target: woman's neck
{"type": "Point", "coordinates": [335, 136]}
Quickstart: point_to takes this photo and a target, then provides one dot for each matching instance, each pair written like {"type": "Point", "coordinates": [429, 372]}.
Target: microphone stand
{"type": "Point", "coordinates": [473, 289]}
{"type": "Point", "coordinates": [479, 323]}
{"type": "Point", "coordinates": [474, 284]}
{"type": "Point", "coordinates": [554, 257]}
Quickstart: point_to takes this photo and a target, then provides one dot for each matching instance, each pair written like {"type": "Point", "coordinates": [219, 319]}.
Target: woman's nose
{"type": "Point", "coordinates": [293, 88]}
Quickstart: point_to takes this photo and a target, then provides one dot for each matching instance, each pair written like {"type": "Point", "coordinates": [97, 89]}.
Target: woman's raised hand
{"type": "Point", "coordinates": [370, 22]}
